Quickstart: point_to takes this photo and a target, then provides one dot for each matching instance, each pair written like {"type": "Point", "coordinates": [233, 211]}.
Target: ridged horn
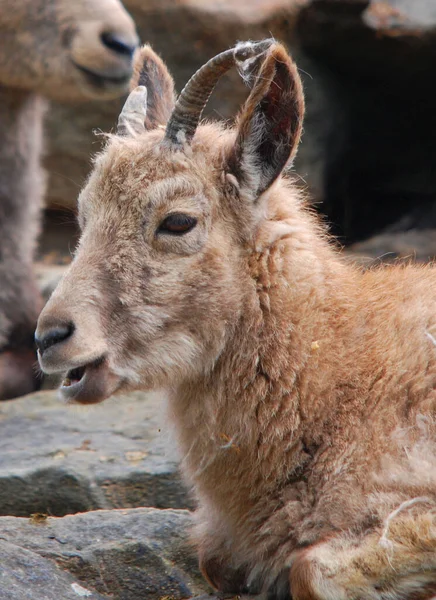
{"type": "Point", "coordinates": [132, 117]}
{"type": "Point", "coordinates": [187, 111]}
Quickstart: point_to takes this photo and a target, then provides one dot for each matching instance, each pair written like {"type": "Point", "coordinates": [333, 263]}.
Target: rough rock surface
{"type": "Point", "coordinates": [117, 554]}
{"type": "Point", "coordinates": [58, 459]}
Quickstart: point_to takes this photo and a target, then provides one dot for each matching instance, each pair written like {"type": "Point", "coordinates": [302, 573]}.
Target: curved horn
{"type": "Point", "coordinates": [132, 116]}
{"type": "Point", "coordinates": [192, 100]}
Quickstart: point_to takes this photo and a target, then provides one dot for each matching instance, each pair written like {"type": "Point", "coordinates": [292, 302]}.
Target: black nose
{"type": "Point", "coordinates": [53, 336]}
{"type": "Point", "coordinates": [115, 42]}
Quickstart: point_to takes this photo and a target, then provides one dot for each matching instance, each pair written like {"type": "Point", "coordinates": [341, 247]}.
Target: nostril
{"type": "Point", "coordinates": [115, 42]}
{"type": "Point", "coordinates": [53, 336]}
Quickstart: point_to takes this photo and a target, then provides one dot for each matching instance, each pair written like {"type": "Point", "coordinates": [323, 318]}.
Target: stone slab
{"type": "Point", "coordinates": [118, 554]}
{"type": "Point", "coordinates": [60, 459]}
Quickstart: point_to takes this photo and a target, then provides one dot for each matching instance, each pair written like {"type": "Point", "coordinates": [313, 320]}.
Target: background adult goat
{"type": "Point", "coordinates": [303, 390]}
{"type": "Point", "coordinates": [66, 51]}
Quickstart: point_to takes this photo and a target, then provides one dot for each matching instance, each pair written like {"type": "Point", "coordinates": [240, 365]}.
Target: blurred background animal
{"type": "Point", "coordinates": [65, 50]}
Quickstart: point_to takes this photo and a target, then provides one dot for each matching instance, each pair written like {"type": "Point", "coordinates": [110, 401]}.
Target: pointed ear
{"type": "Point", "coordinates": [270, 123]}
{"type": "Point", "coordinates": [150, 71]}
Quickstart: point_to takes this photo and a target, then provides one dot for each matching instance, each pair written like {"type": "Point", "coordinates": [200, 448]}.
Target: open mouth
{"type": "Point", "coordinates": [74, 376]}
{"type": "Point", "coordinates": [89, 383]}
{"type": "Point", "coordinates": [100, 81]}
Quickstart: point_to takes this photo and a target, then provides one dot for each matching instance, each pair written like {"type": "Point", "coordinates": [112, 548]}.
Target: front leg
{"type": "Point", "coordinates": [217, 560]}
{"type": "Point", "coordinates": [222, 575]}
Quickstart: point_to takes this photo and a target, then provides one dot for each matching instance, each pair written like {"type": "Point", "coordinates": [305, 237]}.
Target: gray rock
{"type": "Point", "coordinates": [117, 554]}
{"type": "Point", "coordinates": [26, 575]}
{"type": "Point", "coordinates": [402, 16]}
{"type": "Point", "coordinates": [59, 459]}
{"type": "Point", "coordinates": [390, 246]}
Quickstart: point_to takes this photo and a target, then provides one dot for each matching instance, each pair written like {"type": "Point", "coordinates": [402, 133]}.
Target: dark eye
{"type": "Point", "coordinates": [177, 224]}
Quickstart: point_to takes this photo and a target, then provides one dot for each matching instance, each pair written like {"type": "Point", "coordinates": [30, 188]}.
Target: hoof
{"type": "Point", "coordinates": [224, 578]}
{"type": "Point", "coordinates": [18, 373]}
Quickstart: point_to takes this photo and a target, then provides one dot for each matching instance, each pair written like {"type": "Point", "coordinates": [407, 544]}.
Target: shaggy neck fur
{"type": "Point", "coordinates": [287, 398]}
{"type": "Point", "coordinates": [21, 191]}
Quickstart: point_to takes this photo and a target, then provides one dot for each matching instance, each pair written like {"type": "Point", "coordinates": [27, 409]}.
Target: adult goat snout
{"type": "Point", "coordinates": [102, 48]}
{"type": "Point", "coordinates": [67, 51]}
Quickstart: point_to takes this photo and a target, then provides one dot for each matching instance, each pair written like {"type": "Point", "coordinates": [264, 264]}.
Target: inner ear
{"type": "Point", "coordinates": [150, 71]}
{"type": "Point", "coordinates": [270, 124]}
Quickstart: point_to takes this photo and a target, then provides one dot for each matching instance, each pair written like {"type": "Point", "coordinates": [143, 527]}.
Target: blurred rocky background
{"type": "Point", "coordinates": [367, 157]}
{"type": "Point", "coordinates": [73, 480]}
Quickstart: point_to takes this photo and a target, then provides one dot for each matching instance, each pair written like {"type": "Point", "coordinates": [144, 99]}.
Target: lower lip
{"type": "Point", "coordinates": [102, 81]}
{"type": "Point", "coordinates": [96, 384]}
{"type": "Point", "coordinates": [73, 391]}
